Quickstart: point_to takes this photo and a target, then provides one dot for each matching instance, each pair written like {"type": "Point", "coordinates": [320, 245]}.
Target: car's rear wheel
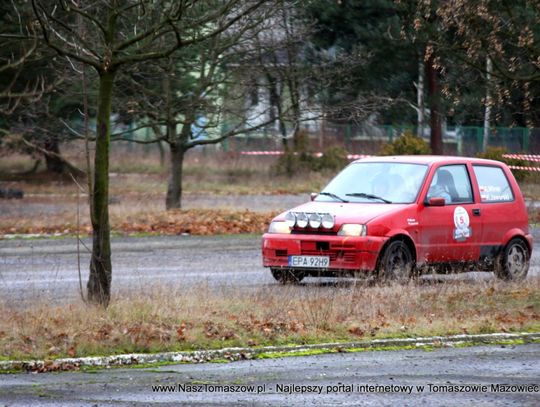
{"type": "Point", "coordinates": [287, 276]}
{"type": "Point", "coordinates": [513, 262]}
{"type": "Point", "coordinates": [396, 262]}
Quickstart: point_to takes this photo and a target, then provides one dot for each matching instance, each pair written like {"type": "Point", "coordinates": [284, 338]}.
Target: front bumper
{"type": "Point", "coordinates": [347, 253]}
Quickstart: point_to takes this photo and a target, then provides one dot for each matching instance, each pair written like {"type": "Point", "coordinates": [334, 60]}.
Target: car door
{"type": "Point", "coordinates": [451, 232]}
{"type": "Point", "coordinates": [498, 209]}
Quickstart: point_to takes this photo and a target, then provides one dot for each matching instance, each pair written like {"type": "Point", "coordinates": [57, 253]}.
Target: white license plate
{"type": "Point", "coordinates": [309, 261]}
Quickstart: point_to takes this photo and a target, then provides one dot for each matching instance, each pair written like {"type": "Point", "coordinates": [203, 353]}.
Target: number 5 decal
{"type": "Point", "coordinates": [461, 221]}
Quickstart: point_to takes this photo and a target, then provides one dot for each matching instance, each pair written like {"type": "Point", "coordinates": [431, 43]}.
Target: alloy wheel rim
{"type": "Point", "coordinates": [399, 262]}
{"type": "Point", "coordinates": [516, 260]}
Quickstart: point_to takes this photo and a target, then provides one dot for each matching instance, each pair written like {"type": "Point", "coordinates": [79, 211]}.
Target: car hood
{"type": "Point", "coordinates": [346, 212]}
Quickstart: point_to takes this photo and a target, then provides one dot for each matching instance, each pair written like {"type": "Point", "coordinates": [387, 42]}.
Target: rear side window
{"type": "Point", "coordinates": [493, 184]}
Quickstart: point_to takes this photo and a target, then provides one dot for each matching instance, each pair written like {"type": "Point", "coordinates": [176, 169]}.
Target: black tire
{"type": "Point", "coordinates": [287, 276]}
{"type": "Point", "coordinates": [396, 262]}
{"type": "Point", "coordinates": [512, 264]}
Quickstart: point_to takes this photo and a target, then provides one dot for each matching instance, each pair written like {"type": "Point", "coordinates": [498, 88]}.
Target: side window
{"type": "Point", "coordinates": [493, 184]}
{"type": "Point", "coordinates": [452, 183]}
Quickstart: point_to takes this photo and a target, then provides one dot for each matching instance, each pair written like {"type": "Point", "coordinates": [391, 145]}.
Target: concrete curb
{"type": "Point", "coordinates": [233, 354]}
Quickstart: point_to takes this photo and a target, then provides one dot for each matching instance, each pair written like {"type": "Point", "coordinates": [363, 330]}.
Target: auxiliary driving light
{"type": "Point", "coordinates": [301, 220]}
{"type": "Point", "coordinates": [290, 219]}
{"type": "Point", "coordinates": [327, 221]}
{"type": "Point", "coordinates": [315, 220]}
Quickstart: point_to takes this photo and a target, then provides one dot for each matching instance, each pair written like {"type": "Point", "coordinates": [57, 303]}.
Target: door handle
{"type": "Point", "coordinates": [476, 212]}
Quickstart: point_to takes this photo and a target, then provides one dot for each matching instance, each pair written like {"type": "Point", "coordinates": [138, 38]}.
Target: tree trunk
{"type": "Point", "coordinates": [487, 110]}
{"type": "Point", "coordinates": [161, 154]}
{"type": "Point", "coordinates": [275, 100]}
{"type": "Point", "coordinates": [99, 281]}
{"type": "Point", "coordinates": [293, 77]}
{"type": "Point", "coordinates": [434, 96]}
{"type": "Point", "coordinates": [54, 164]}
{"type": "Point", "coordinates": [420, 98]}
{"type": "Point", "coordinates": [295, 107]}
{"type": "Point", "coordinates": [174, 188]}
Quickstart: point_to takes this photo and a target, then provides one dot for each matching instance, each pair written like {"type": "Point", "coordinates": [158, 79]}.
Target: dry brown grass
{"type": "Point", "coordinates": [138, 171]}
{"type": "Point", "coordinates": [161, 320]}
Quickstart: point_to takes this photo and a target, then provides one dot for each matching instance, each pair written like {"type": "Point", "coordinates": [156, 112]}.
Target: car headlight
{"type": "Point", "coordinates": [352, 229]}
{"type": "Point", "coordinates": [279, 227]}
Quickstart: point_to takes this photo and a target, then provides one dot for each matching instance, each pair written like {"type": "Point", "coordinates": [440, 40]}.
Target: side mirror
{"type": "Point", "coordinates": [313, 195]}
{"type": "Point", "coordinates": [436, 201]}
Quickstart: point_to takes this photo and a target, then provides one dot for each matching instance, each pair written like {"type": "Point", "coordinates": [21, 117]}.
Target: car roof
{"type": "Point", "coordinates": [428, 159]}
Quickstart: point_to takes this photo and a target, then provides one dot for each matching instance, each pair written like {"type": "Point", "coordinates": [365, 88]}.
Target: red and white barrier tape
{"type": "Point", "coordinates": [525, 157]}
{"type": "Point", "coordinates": [261, 152]}
{"type": "Point", "coordinates": [319, 154]}
{"type": "Point", "coordinates": [517, 167]}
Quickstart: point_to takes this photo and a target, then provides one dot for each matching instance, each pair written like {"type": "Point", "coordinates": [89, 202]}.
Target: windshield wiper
{"type": "Point", "coordinates": [331, 195]}
{"type": "Point", "coordinates": [369, 196]}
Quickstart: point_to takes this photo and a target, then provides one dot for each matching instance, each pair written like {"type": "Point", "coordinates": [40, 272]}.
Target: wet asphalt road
{"type": "Point", "coordinates": [487, 366]}
{"type": "Point", "coordinates": [46, 269]}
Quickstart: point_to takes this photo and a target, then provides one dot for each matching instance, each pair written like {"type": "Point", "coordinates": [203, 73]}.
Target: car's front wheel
{"type": "Point", "coordinates": [287, 276]}
{"type": "Point", "coordinates": [396, 262]}
{"type": "Point", "coordinates": [513, 262]}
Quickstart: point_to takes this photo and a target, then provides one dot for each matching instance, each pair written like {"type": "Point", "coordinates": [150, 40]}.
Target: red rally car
{"type": "Point", "coordinates": [393, 216]}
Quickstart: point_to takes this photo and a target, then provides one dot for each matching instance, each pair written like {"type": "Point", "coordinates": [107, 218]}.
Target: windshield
{"type": "Point", "coordinates": [376, 182]}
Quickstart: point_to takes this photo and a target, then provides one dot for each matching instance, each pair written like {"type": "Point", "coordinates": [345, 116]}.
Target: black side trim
{"type": "Point", "coordinates": [489, 252]}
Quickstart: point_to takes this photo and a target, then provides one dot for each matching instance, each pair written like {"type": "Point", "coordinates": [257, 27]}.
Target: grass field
{"type": "Point", "coordinates": [160, 320]}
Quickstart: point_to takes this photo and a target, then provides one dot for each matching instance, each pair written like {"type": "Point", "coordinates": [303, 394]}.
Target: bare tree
{"type": "Point", "coordinates": [187, 99]}
{"type": "Point", "coordinates": [500, 39]}
{"type": "Point", "coordinates": [421, 26]}
{"type": "Point", "coordinates": [28, 82]}
{"type": "Point", "coordinates": [10, 97]}
{"type": "Point", "coordinates": [307, 84]}
{"type": "Point", "coordinates": [121, 34]}
{"type": "Point", "coordinates": [19, 45]}
{"type": "Point", "coordinates": [187, 115]}
{"type": "Point", "coordinates": [282, 67]}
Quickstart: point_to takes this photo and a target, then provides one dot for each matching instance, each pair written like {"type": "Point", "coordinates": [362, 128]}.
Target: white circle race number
{"type": "Point", "coordinates": [462, 221]}
{"type": "Point", "coordinates": [461, 218]}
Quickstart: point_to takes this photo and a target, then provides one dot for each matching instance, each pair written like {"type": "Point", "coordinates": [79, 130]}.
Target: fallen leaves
{"type": "Point", "coordinates": [271, 327]}
{"type": "Point", "coordinates": [181, 331]}
{"type": "Point", "coordinates": [176, 222]}
{"type": "Point", "coordinates": [356, 331]}
{"type": "Point", "coordinates": [144, 333]}
{"type": "Point", "coordinates": [197, 222]}
{"type": "Point", "coordinates": [71, 352]}
{"type": "Point", "coordinates": [218, 331]}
